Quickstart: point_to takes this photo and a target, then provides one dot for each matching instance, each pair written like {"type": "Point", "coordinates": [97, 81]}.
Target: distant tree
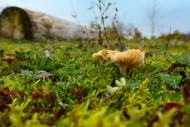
{"type": "Point", "coordinates": [137, 35]}
{"type": "Point", "coordinates": [129, 30]}
{"type": "Point", "coordinates": [176, 35]}
{"type": "Point", "coordinates": [116, 31]}
{"type": "Point", "coordinates": [154, 17]}
{"type": "Point", "coordinates": [186, 36]}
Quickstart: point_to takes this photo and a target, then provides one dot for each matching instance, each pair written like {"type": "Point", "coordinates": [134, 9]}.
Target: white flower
{"type": "Point", "coordinates": [112, 90]}
{"type": "Point", "coordinates": [47, 54]}
{"type": "Point", "coordinates": [120, 83]}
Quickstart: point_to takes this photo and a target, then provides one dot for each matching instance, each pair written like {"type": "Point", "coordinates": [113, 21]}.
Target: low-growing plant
{"type": "Point", "coordinates": [62, 85]}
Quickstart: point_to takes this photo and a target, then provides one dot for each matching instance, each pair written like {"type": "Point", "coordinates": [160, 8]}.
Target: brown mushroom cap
{"type": "Point", "coordinates": [9, 57]}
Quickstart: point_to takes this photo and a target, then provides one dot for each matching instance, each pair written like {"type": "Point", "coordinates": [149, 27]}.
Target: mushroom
{"type": "Point", "coordinates": [132, 58]}
{"type": "Point", "coordinates": [138, 61]}
{"type": "Point", "coordinates": [127, 60]}
{"type": "Point", "coordinates": [103, 55]}
{"type": "Point", "coordinates": [98, 56]}
{"type": "Point", "coordinates": [9, 58]}
{"type": "Point", "coordinates": [106, 54]}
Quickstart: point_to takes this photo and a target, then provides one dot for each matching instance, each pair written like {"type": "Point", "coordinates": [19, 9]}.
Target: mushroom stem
{"type": "Point", "coordinates": [10, 67]}
{"type": "Point", "coordinates": [129, 72]}
{"type": "Point", "coordinates": [122, 69]}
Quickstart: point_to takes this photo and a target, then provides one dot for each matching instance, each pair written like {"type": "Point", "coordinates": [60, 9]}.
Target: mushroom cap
{"type": "Point", "coordinates": [104, 54]}
{"type": "Point", "coordinates": [9, 57]}
{"type": "Point", "coordinates": [138, 61]}
{"type": "Point", "coordinates": [98, 55]}
{"type": "Point", "coordinates": [131, 58]}
{"type": "Point", "coordinates": [107, 53]}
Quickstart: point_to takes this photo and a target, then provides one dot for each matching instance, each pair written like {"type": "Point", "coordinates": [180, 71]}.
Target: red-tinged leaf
{"type": "Point", "coordinates": [6, 120]}
{"type": "Point", "coordinates": [125, 113]}
{"type": "Point", "coordinates": [7, 94]}
{"type": "Point", "coordinates": [42, 110]}
{"type": "Point", "coordinates": [59, 113]}
{"type": "Point", "coordinates": [36, 95]}
{"type": "Point", "coordinates": [40, 89]}
{"type": "Point", "coordinates": [11, 94]}
{"type": "Point", "coordinates": [186, 95]}
{"type": "Point", "coordinates": [50, 98]}
{"type": "Point", "coordinates": [21, 94]}
{"type": "Point", "coordinates": [3, 94]}
{"type": "Point", "coordinates": [169, 106]}
{"type": "Point", "coordinates": [5, 88]}
{"type": "Point", "coordinates": [47, 121]}
{"type": "Point", "coordinates": [74, 92]}
{"type": "Point", "coordinates": [78, 92]}
{"type": "Point", "coordinates": [153, 119]}
{"type": "Point", "coordinates": [2, 106]}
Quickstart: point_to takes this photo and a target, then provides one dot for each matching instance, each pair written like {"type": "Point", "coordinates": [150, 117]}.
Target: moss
{"type": "Point", "coordinates": [76, 94]}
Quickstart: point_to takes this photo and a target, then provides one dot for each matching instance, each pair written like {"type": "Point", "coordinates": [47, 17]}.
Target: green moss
{"type": "Point", "coordinates": [76, 93]}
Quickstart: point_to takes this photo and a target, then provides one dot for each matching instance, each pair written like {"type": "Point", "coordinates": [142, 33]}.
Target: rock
{"type": "Point", "coordinates": [42, 74]}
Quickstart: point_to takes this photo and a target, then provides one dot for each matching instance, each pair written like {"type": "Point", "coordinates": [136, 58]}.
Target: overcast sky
{"type": "Point", "coordinates": [173, 13]}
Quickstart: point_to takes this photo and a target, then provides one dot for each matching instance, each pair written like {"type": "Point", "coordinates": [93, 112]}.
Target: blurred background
{"type": "Point", "coordinates": [149, 17]}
